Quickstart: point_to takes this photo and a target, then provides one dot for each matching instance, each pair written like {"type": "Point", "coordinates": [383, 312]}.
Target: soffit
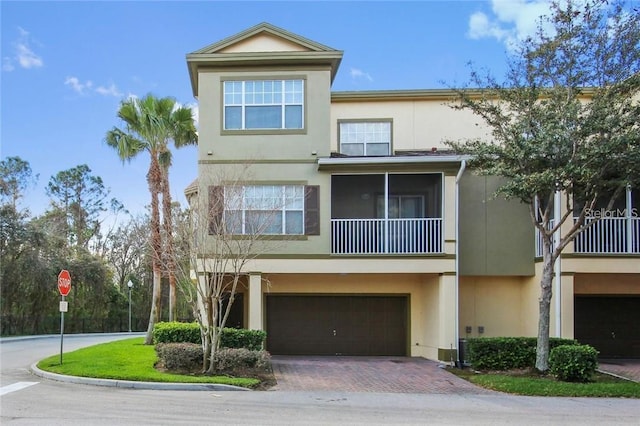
{"type": "Point", "coordinates": [394, 163]}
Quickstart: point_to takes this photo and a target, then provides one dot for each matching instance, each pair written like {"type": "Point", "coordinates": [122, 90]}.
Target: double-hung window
{"type": "Point", "coordinates": [263, 104]}
{"type": "Point", "coordinates": [264, 209]}
{"type": "Point", "coordinates": [365, 138]}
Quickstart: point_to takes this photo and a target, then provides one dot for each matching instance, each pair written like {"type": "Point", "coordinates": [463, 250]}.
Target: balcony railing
{"type": "Point", "coordinates": [615, 235]}
{"type": "Point", "coordinates": [386, 236]}
{"type": "Point", "coordinates": [539, 242]}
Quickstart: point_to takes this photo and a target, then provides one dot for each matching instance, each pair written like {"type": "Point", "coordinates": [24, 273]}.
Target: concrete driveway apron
{"type": "Point", "coordinates": [367, 374]}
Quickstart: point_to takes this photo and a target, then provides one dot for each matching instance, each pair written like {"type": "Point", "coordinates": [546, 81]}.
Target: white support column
{"type": "Point", "coordinates": [568, 310]}
{"type": "Point", "coordinates": [255, 301]}
{"type": "Point", "coordinates": [557, 267]}
{"type": "Point", "coordinates": [447, 317]}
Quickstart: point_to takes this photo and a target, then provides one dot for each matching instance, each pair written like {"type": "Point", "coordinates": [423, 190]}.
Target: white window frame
{"type": "Point", "coordinates": [282, 97]}
{"type": "Point", "coordinates": [360, 135]}
{"type": "Point", "coordinates": [279, 206]}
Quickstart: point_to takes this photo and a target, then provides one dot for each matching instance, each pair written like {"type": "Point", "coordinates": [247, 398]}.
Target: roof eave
{"type": "Point", "coordinates": [326, 163]}
{"type": "Point", "coordinates": [197, 60]}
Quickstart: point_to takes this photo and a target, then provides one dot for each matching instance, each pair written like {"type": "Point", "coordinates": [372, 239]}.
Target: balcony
{"type": "Point", "coordinates": [614, 235]}
{"type": "Point", "coordinates": [386, 213]}
{"type": "Point", "coordinates": [392, 236]}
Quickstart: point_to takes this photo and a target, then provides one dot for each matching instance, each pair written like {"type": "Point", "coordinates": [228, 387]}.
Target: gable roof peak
{"type": "Point", "coordinates": [264, 28]}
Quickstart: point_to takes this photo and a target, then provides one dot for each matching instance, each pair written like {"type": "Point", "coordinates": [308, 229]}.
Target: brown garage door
{"type": "Point", "coordinates": [611, 324]}
{"type": "Point", "coordinates": [337, 325]}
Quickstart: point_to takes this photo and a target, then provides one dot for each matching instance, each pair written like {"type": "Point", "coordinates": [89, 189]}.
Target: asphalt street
{"type": "Point", "coordinates": [31, 400]}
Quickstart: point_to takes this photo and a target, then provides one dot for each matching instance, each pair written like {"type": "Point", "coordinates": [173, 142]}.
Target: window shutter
{"type": "Point", "coordinates": [216, 208]}
{"type": "Point", "coordinates": [312, 210]}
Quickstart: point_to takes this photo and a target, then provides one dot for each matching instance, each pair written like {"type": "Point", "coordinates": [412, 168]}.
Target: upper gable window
{"type": "Point", "coordinates": [263, 104]}
{"type": "Point", "coordinates": [365, 138]}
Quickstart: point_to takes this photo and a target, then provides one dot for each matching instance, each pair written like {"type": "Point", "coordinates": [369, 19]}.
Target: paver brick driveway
{"type": "Point", "coordinates": [367, 374]}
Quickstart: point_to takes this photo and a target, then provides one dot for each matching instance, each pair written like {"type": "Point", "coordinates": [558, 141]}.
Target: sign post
{"type": "Point", "coordinates": [64, 286]}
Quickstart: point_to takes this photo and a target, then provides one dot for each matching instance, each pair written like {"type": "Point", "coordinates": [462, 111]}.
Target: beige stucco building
{"type": "Point", "coordinates": [379, 241]}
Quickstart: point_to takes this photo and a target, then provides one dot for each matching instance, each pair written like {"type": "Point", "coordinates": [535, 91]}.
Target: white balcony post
{"type": "Point", "coordinates": [386, 212]}
{"type": "Point", "coordinates": [628, 221]}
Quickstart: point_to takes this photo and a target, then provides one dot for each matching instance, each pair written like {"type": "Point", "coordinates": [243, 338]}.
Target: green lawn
{"type": "Point", "coordinates": [126, 359]}
{"type": "Point", "coordinates": [602, 386]}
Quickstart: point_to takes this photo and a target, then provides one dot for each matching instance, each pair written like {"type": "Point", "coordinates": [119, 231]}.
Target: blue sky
{"type": "Point", "coordinates": [67, 65]}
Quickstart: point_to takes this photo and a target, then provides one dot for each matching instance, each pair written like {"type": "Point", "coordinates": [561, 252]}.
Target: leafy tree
{"type": "Point", "coordinates": [126, 249]}
{"type": "Point", "coordinates": [150, 125]}
{"type": "Point", "coordinates": [27, 274]}
{"type": "Point", "coordinates": [78, 199]}
{"type": "Point", "coordinates": [566, 119]}
{"type": "Point", "coordinates": [15, 177]}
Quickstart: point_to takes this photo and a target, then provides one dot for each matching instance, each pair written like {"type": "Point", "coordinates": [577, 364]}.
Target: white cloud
{"type": "Point", "coordinates": [27, 58]}
{"type": "Point", "coordinates": [77, 85]}
{"type": "Point", "coordinates": [87, 87]}
{"type": "Point", "coordinates": [512, 21]}
{"type": "Point", "coordinates": [481, 27]}
{"type": "Point", "coordinates": [112, 90]}
{"type": "Point", "coordinates": [7, 65]}
{"type": "Point", "coordinates": [196, 114]}
{"type": "Point", "coordinates": [23, 54]}
{"type": "Point", "coordinates": [356, 74]}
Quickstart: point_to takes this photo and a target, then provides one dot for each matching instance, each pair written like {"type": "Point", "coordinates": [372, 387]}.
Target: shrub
{"type": "Point", "coordinates": [180, 357]}
{"type": "Point", "coordinates": [506, 353]}
{"type": "Point", "coordinates": [242, 362]}
{"type": "Point", "coordinates": [574, 363]}
{"type": "Point", "coordinates": [176, 332]}
{"type": "Point", "coordinates": [242, 338]}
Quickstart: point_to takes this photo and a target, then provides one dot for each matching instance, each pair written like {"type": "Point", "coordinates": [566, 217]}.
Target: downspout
{"type": "Point", "coordinates": [463, 166]}
{"type": "Point", "coordinates": [557, 269]}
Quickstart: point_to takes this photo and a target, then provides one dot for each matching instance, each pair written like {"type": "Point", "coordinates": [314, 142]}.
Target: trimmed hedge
{"type": "Point", "coordinates": [506, 353]}
{"type": "Point", "coordinates": [180, 357]}
{"type": "Point", "coordinates": [181, 332]}
{"type": "Point", "coordinates": [242, 362]}
{"type": "Point", "coordinates": [242, 338]}
{"type": "Point", "coordinates": [186, 358]}
{"type": "Point", "coordinates": [176, 332]}
{"type": "Point", "coordinates": [573, 363]}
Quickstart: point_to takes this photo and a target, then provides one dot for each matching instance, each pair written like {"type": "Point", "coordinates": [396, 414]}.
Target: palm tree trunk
{"type": "Point", "coordinates": [168, 230]}
{"type": "Point", "coordinates": [154, 179]}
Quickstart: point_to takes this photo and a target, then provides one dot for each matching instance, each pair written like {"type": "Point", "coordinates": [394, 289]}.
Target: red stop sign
{"type": "Point", "coordinates": [64, 282]}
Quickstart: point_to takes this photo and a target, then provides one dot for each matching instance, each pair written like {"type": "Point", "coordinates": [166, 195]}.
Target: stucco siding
{"type": "Point", "coordinates": [607, 284]}
{"type": "Point", "coordinates": [493, 303]}
{"type": "Point", "coordinates": [417, 124]}
{"type": "Point", "coordinates": [496, 236]}
{"type": "Point", "coordinates": [216, 144]}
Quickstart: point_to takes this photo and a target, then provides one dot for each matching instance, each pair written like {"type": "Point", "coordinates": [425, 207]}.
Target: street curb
{"type": "Point", "coordinates": [124, 334]}
{"type": "Point", "coordinates": [128, 384]}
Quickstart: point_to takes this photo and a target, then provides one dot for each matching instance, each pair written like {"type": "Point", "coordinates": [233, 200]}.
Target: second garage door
{"type": "Point", "coordinates": [611, 324]}
{"type": "Point", "coordinates": [337, 325]}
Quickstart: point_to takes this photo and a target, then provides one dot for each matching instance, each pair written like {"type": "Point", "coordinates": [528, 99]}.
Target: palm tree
{"type": "Point", "coordinates": [184, 134]}
{"type": "Point", "coordinates": [150, 125]}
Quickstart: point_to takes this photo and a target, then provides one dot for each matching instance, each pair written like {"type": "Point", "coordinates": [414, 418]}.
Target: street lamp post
{"type": "Point", "coordinates": [130, 285]}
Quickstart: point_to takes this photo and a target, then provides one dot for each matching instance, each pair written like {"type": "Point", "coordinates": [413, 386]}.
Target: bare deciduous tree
{"type": "Point", "coordinates": [227, 226]}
